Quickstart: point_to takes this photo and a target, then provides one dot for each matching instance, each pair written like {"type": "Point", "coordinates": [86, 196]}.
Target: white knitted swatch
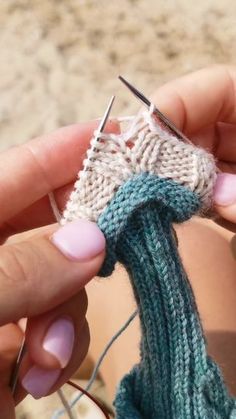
{"type": "Point", "coordinates": [144, 147]}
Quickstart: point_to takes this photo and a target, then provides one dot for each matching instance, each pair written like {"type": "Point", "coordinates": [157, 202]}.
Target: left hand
{"type": "Point", "coordinates": [39, 278]}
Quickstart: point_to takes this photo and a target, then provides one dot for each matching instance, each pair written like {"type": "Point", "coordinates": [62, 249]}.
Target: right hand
{"type": "Point", "coordinates": [203, 106]}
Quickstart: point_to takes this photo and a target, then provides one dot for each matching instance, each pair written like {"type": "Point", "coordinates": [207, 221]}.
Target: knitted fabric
{"type": "Point", "coordinates": [175, 377]}
{"type": "Point", "coordinates": [145, 147]}
{"type": "Point", "coordinates": [137, 185]}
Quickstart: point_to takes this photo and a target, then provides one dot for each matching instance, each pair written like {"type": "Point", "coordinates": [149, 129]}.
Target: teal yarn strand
{"type": "Point", "coordinates": [175, 378]}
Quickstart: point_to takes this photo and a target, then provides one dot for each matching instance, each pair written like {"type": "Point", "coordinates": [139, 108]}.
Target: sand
{"type": "Point", "coordinates": [60, 59]}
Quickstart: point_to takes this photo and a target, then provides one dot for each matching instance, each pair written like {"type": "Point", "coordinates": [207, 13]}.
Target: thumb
{"type": "Point", "coordinates": [41, 272]}
{"type": "Point", "coordinates": [225, 196]}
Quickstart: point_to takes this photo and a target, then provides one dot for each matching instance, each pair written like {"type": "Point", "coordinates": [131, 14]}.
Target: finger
{"type": "Point", "coordinates": [29, 172]}
{"type": "Point", "coordinates": [226, 147]}
{"type": "Point", "coordinates": [225, 196]}
{"type": "Point", "coordinates": [77, 357]}
{"type": "Point", "coordinates": [219, 140]}
{"type": "Point", "coordinates": [43, 271]}
{"type": "Point", "coordinates": [40, 382]}
{"type": "Point", "coordinates": [51, 337]}
{"type": "Point", "coordinates": [228, 225]}
{"type": "Point", "coordinates": [6, 404]}
{"type": "Point", "coordinates": [200, 99]}
{"type": "Point", "coordinates": [36, 215]}
{"type": "Point", "coordinates": [10, 341]}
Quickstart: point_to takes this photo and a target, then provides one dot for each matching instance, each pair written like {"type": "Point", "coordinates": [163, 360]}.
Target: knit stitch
{"type": "Point", "coordinates": [145, 147]}
{"type": "Point", "coordinates": [138, 184]}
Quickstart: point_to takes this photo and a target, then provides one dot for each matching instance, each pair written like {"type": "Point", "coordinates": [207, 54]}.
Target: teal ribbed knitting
{"type": "Point", "coordinates": [175, 378]}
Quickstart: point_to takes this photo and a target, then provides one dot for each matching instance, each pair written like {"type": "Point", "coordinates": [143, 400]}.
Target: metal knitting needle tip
{"type": "Point", "coordinates": [15, 372]}
{"type": "Point", "coordinates": [168, 124]}
{"type": "Point", "coordinates": [100, 129]}
{"type": "Point", "coordinates": [136, 92]}
{"type": "Point", "coordinates": [105, 116]}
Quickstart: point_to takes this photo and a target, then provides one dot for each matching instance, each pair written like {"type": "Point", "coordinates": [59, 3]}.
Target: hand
{"type": "Point", "coordinates": [203, 106]}
{"type": "Point", "coordinates": [43, 273]}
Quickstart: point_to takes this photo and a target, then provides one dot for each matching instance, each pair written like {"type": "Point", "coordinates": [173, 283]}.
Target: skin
{"type": "Point", "coordinates": [201, 104]}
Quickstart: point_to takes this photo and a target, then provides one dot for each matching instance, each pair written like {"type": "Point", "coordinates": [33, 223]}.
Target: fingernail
{"type": "Point", "coordinates": [79, 240]}
{"type": "Point", "coordinates": [59, 340]}
{"type": "Point", "coordinates": [38, 381]}
{"type": "Point", "coordinates": [225, 189]}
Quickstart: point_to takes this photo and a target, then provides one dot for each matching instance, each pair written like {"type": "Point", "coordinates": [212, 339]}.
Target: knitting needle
{"type": "Point", "coordinates": [100, 129]}
{"type": "Point", "coordinates": [15, 373]}
{"type": "Point", "coordinates": [168, 124]}
{"type": "Point", "coordinates": [65, 403]}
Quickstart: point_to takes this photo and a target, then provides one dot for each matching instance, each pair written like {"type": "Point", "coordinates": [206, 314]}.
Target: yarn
{"type": "Point", "coordinates": [175, 378]}
{"type": "Point", "coordinates": [137, 185]}
{"type": "Point", "coordinates": [58, 413]}
{"type": "Point", "coordinates": [145, 147]}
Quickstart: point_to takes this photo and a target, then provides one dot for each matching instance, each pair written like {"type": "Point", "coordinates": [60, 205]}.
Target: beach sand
{"type": "Point", "coordinates": [60, 60]}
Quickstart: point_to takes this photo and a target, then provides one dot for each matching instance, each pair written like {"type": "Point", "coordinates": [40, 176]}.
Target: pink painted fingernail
{"type": "Point", "coordinates": [38, 381]}
{"type": "Point", "coordinates": [79, 240]}
{"type": "Point", "coordinates": [59, 340]}
{"type": "Point", "coordinates": [225, 189]}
